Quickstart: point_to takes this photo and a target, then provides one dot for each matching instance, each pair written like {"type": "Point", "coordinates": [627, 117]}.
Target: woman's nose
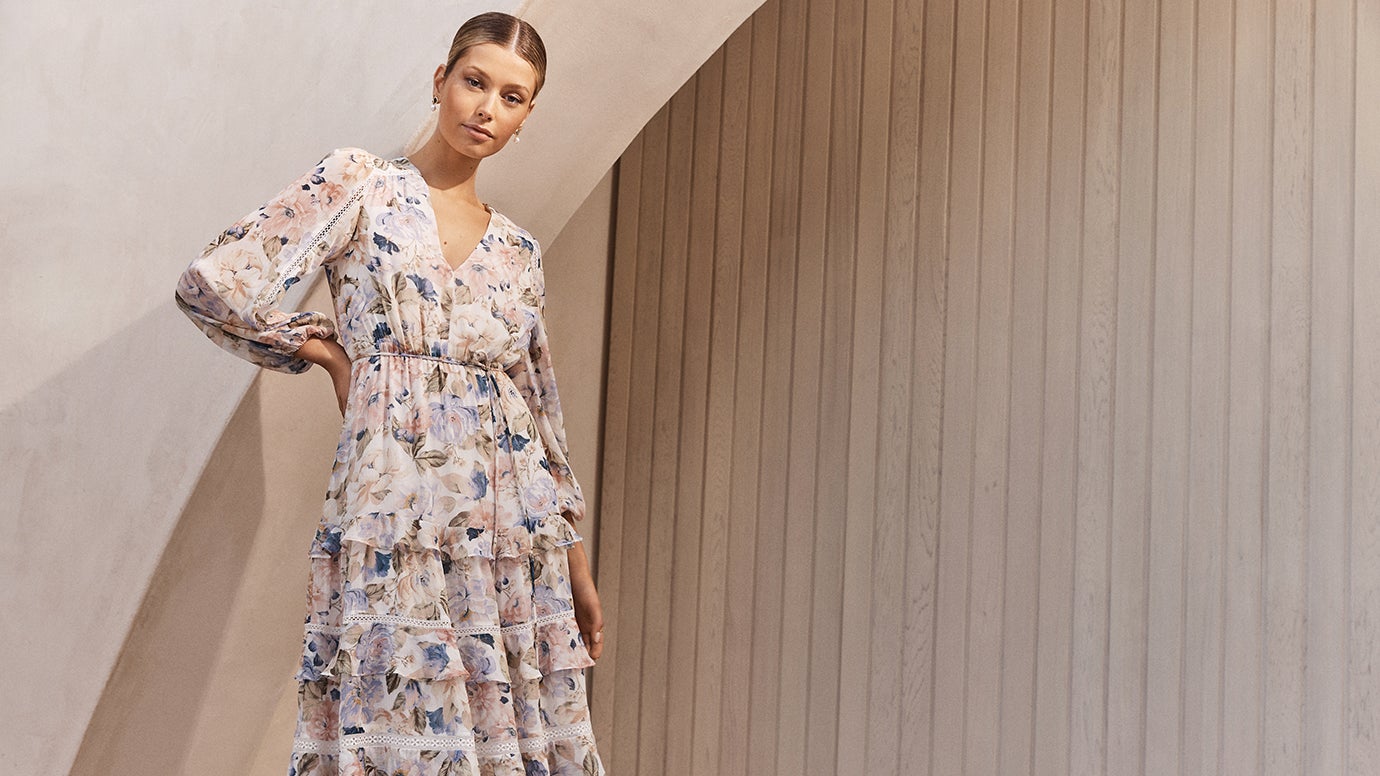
{"type": "Point", "coordinates": [488, 104]}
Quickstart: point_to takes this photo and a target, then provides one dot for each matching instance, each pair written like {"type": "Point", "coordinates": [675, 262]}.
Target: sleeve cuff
{"type": "Point", "coordinates": [572, 508]}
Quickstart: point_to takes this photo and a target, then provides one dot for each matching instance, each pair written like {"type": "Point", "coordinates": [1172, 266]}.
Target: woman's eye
{"type": "Point", "coordinates": [513, 99]}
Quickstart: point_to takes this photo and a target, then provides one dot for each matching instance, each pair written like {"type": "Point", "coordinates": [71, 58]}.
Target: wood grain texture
{"type": "Point", "coordinates": [1026, 449]}
{"type": "Point", "coordinates": [1204, 662]}
{"type": "Point", "coordinates": [920, 622]}
{"type": "Point", "coordinates": [604, 693]}
{"type": "Point", "coordinates": [993, 390]}
{"type": "Point", "coordinates": [1363, 532]}
{"type": "Point", "coordinates": [769, 635]}
{"type": "Point", "coordinates": [1286, 525]}
{"type": "Point", "coordinates": [1243, 699]}
{"type": "Point", "coordinates": [1331, 249]}
{"type": "Point", "coordinates": [677, 458]}
{"type": "Point", "coordinates": [1054, 668]}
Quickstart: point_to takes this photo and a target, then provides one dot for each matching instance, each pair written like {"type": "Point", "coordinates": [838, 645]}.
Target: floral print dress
{"type": "Point", "coordinates": [440, 635]}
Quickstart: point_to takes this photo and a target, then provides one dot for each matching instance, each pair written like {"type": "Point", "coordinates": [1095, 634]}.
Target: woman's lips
{"type": "Point", "coordinates": [476, 132]}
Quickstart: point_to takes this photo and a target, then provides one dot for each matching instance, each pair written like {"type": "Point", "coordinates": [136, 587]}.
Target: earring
{"type": "Point", "coordinates": [435, 101]}
{"type": "Point", "coordinates": [517, 136]}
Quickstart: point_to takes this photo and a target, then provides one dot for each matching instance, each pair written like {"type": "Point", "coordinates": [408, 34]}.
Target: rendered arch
{"type": "Point", "coordinates": [181, 118]}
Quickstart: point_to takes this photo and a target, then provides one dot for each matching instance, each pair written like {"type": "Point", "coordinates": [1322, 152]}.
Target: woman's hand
{"type": "Point", "coordinates": [332, 357]}
{"type": "Point", "coordinates": [341, 379]}
{"type": "Point", "coordinates": [589, 614]}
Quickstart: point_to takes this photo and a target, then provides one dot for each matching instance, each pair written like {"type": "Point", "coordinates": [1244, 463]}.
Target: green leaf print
{"type": "Point", "coordinates": [433, 458]}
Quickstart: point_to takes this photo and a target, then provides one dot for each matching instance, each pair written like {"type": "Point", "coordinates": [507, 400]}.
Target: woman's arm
{"type": "Point", "coordinates": [232, 289]}
{"type": "Point", "coordinates": [329, 355]}
{"type": "Point", "coordinates": [589, 613]}
{"type": "Point", "coordinates": [535, 378]}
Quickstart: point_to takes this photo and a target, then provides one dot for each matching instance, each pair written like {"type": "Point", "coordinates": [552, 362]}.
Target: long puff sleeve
{"type": "Point", "coordinates": [230, 291]}
{"type": "Point", "coordinates": [535, 378]}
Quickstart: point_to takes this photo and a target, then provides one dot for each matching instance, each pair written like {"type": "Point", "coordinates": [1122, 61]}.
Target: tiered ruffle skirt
{"type": "Point", "coordinates": [443, 652]}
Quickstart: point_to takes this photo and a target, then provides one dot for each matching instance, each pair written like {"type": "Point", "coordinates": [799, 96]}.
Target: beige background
{"type": "Point", "coordinates": [986, 388]}
{"type": "Point", "coordinates": [994, 388]}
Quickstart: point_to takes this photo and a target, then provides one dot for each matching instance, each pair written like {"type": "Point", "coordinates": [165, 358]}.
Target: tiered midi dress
{"type": "Point", "coordinates": [440, 635]}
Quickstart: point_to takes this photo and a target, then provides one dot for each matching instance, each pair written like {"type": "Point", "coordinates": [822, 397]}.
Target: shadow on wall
{"type": "Point", "coordinates": [146, 718]}
{"type": "Point", "coordinates": [205, 675]}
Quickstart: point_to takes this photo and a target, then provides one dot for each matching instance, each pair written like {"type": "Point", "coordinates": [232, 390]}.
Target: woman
{"type": "Point", "coordinates": [451, 612]}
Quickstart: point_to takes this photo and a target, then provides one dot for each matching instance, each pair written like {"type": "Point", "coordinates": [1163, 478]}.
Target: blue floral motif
{"type": "Point", "coordinates": [384, 244]}
{"type": "Point", "coordinates": [436, 657]}
{"type": "Point", "coordinates": [328, 539]}
{"type": "Point", "coordinates": [510, 442]}
{"type": "Point", "coordinates": [382, 562]}
{"type": "Point", "coordinates": [423, 286]}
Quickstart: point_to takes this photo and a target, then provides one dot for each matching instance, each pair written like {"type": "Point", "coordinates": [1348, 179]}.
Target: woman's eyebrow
{"type": "Point", "coordinates": [480, 70]}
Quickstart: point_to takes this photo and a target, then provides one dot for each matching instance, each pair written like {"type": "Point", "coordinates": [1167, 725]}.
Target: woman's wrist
{"type": "Point", "coordinates": [327, 354]}
{"type": "Point", "coordinates": [320, 351]}
{"type": "Point", "coordinates": [579, 565]}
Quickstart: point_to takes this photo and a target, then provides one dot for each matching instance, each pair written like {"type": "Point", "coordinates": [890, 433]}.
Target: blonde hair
{"type": "Point", "coordinates": [490, 27]}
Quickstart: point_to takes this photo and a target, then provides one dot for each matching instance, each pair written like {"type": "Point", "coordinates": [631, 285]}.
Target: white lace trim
{"type": "Point", "coordinates": [460, 630]}
{"type": "Point", "coordinates": [556, 733]}
{"type": "Point", "coordinates": [528, 745]}
{"type": "Point", "coordinates": [357, 740]}
{"type": "Point", "coordinates": [292, 266]}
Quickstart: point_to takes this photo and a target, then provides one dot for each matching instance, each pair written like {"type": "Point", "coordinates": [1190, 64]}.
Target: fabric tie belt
{"type": "Point", "coordinates": [500, 428]}
{"type": "Point", "coordinates": [443, 359]}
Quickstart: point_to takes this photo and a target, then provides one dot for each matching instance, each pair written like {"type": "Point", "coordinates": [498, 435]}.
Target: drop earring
{"type": "Point", "coordinates": [435, 101]}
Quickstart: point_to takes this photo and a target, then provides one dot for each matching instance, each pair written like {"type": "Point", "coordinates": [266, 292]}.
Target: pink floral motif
{"type": "Point", "coordinates": [321, 721]}
{"type": "Point", "coordinates": [289, 216]}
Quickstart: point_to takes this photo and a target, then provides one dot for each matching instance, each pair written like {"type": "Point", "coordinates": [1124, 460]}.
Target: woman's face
{"type": "Point", "coordinates": [486, 97]}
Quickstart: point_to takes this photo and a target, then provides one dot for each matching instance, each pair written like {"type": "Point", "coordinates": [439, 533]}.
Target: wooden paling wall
{"type": "Point", "coordinates": [994, 388]}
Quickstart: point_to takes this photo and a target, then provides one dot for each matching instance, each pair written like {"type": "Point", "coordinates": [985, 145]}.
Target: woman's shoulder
{"type": "Point", "coordinates": [517, 235]}
{"type": "Point", "coordinates": [354, 162]}
{"type": "Point", "coordinates": [356, 153]}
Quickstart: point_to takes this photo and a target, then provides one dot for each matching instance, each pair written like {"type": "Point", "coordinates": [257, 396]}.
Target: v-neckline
{"type": "Point", "coordinates": [435, 230]}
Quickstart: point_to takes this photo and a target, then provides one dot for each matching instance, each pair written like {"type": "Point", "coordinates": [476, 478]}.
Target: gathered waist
{"type": "Point", "coordinates": [366, 357]}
